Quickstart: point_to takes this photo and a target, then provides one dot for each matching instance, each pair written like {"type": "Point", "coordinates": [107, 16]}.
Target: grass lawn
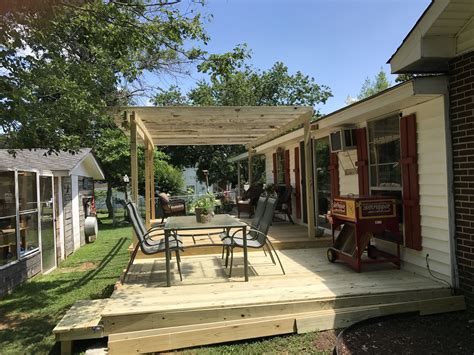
{"type": "Point", "coordinates": [30, 313]}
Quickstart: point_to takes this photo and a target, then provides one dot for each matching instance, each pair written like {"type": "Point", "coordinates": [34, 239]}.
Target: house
{"type": "Point", "coordinates": [44, 202]}
{"type": "Point", "coordinates": [442, 41]}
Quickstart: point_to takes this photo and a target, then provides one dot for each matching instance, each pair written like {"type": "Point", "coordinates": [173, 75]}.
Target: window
{"type": "Point", "coordinates": [280, 167]}
{"type": "Point", "coordinates": [28, 212]}
{"type": "Point", "coordinates": [384, 158]}
{"type": "Point", "coordinates": [8, 240]}
{"type": "Point", "coordinates": [384, 150]}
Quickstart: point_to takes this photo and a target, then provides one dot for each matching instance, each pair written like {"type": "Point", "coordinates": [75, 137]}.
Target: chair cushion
{"type": "Point", "coordinates": [243, 202]}
{"type": "Point", "coordinates": [176, 208]}
{"type": "Point", "coordinates": [251, 243]}
{"type": "Point", "coordinates": [164, 199]}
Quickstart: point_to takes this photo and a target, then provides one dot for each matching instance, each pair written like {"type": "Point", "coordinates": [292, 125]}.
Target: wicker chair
{"type": "Point", "coordinates": [171, 207]}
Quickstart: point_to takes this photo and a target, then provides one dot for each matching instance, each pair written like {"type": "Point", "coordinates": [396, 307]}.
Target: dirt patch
{"type": "Point", "coordinates": [81, 267]}
{"type": "Point", "coordinates": [10, 322]}
{"type": "Point", "coordinates": [449, 333]}
{"type": "Point", "coordinates": [326, 340]}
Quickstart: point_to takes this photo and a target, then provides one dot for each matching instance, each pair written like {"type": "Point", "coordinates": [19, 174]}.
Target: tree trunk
{"type": "Point", "coordinates": [108, 201]}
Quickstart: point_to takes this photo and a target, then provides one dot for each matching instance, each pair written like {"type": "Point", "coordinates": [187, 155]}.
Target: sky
{"type": "Point", "coordinates": [338, 42]}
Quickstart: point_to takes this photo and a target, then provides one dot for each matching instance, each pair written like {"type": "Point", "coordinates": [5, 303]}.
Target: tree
{"type": "Point", "coordinates": [64, 62]}
{"type": "Point", "coordinates": [371, 87]}
{"type": "Point", "coordinates": [242, 86]}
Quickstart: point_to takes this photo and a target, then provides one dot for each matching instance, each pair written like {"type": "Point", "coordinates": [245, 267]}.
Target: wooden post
{"type": "Point", "coordinates": [134, 162]}
{"type": "Point", "coordinates": [250, 165]}
{"type": "Point", "coordinates": [152, 183]}
{"type": "Point", "coordinates": [238, 181]}
{"type": "Point", "coordinates": [147, 184]}
{"type": "Point", "coordinates": [309, 178]}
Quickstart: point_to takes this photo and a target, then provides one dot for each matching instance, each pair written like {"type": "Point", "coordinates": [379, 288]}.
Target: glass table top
{"type": "Point", "coordinates": [189, 222]}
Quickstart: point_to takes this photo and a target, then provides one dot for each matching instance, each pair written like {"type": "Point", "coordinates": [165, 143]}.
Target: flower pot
{"type": "Point", "coordinates": [203, 215]}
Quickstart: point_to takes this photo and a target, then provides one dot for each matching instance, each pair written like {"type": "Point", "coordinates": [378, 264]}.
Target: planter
{"type": "Point", "coordinates": [203, 215]}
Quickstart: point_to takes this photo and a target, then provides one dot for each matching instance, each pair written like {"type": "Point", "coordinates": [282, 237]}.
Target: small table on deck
{"type": "Point", "coordinates": [220, 221]}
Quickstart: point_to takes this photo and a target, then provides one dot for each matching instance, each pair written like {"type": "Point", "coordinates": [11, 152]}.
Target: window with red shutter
{"type": "Point", "coordinates": [275, 169]}
{"type": "Point", "coordinates": [297, 183]}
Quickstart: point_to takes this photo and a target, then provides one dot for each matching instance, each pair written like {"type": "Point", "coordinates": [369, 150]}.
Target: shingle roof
{"type": "Point", "coordinates": [40, 160]}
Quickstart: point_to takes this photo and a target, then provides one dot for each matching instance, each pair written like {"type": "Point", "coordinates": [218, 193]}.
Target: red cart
{"type": "Point", "coordinates": [361, 218]}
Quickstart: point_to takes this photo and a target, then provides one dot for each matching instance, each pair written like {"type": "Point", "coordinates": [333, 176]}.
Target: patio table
{"type": "Point", "coordinates": [220, 221]}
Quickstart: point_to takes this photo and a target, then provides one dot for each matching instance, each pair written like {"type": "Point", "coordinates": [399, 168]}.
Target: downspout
{"type": "Point", "coordinates": [450, 182]}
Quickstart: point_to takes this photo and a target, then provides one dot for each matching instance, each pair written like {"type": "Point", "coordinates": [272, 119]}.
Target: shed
{"type": "Point", "coordinates": [44, 201]}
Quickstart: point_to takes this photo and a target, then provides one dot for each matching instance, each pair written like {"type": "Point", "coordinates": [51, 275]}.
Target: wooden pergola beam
{"type": "Point", "coordinates": [134, 164]}
{"type": "Point", "coordinates": [296, 123]}
{"type": "Point", "coordinates": [309, 179]}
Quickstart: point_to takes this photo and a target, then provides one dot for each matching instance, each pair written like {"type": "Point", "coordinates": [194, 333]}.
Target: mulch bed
{"type": "Point", "coordinates": [449, 333]}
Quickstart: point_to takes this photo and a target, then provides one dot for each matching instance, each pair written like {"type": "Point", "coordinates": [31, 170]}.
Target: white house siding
{"type": "Point", "coordinates": [465, 41]}
{"type": "Point", "coordinates": [433, 192]}
{"type": "Point", "coordinates": [348, 180]}
{"type": "Point", "coordinates": [75, 212]}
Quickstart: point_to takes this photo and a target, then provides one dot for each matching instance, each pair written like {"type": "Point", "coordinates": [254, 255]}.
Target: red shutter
{"type": "Point", "coordinates": [362, 161]}
{"type": "Point", "coordinates": [287, 173]}
{"type": "Point", "coordinates": [411, 193]}
{"type": "Point", "coordinates": [287, 167]}
{"type": "Point", "coordinates": [334, 173]}
{"type": "Point", "coordinates": [275, 171]}
{"type": "Point", "coordinates": [297, 183]}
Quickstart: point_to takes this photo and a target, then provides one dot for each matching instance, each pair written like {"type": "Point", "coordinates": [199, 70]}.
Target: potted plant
{"type": "Point", "coordinates": [204, 208]}
{"type": "Point", "coordinates": [270, 190]}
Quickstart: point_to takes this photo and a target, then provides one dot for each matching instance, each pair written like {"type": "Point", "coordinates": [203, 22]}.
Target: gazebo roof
{"type": "Point", "coordinates": [216, 125]}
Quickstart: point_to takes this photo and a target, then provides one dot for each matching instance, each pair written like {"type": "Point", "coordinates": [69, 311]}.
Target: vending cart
{"type": "Point", "coordinates": [359, 219]}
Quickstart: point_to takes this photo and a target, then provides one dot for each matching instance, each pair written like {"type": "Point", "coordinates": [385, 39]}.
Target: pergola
{"type": "Point", "coordinates": [218, 125]}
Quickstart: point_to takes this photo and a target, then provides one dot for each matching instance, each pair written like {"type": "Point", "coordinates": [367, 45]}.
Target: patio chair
{"type": "Point", "coordinates": [249, 200]}
{"type": "Point", "coordinates": [256, 237]}
{"type": "Point", "coordinates": [147, 245]}
{"type": "Point", "coordinates": [284, 201]}
{"type": "Point", "coordinates": [171, 207]}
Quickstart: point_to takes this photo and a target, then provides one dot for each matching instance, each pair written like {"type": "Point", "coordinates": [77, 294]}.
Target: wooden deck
{"type": "Point", "coordinates": [207, 307]}
{"type": "Point", "coordinates": [283, 235]}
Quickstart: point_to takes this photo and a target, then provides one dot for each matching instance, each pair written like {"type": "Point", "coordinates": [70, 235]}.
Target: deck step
{"type": "Point", "coordinates": [172, 338]}
{"type": "Point", "coordinates": [123, 320]}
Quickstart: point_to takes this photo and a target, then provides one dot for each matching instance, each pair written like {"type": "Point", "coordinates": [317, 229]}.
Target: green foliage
{"type": "Point", "coordinates": [168, 178]}
{"type": "Point", "coordinates": [371, 87]}
{"type": "Point", "coordinates": [64, 62]}
{"type": "Point", "coordinates": [34, 308]}
{"type": "Point", "coordinates": [205, 202]}
{"type": "Point", "coordinates": [232, 82]}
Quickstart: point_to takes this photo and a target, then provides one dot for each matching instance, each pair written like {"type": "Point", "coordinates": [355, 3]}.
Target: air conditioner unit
{"type": "Point", "coordinates": [343, 139]}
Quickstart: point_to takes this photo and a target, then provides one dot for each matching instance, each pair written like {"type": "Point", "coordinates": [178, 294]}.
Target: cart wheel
{"type": "Point", "coordinates": [331, 255]}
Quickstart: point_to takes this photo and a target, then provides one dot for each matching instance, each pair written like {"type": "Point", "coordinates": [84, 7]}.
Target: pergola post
{"type": "Point", "coordinates": [152, 183]}
{"type": "Point", "coordinates": [134, 162]}
{"type": "Point", "coordinates": [309, 178]}
{"type": "Point", "coordinates": [250, 165]}
{"type": "Point", "coordinates": [147, 184]}
{"type": "Point", "coordinates": [238, 180]}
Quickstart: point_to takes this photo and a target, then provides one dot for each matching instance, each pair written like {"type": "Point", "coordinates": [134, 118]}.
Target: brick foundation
{"type": "Point", "coordinates": [461, 80]}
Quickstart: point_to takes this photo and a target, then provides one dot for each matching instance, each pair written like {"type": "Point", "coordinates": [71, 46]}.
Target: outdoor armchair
{"type": "Point", "coordinates": [284, 201]}
{"type": "Point", "coordinates": [170, 206]}
{"type": "Point", "coordinates": [249, 199]}
{"type": "Point", "coordinates": [257, 237]}
{"type": "Point", "coordinates": [148, 245]}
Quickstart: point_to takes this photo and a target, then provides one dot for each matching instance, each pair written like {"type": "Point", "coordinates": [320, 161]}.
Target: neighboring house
{"type": "Point", "coordinates": [442, 41]}
{"type": "Point", "coordinates": [44, 201]}
{"type": "Point", "coordinates": [192, 183]}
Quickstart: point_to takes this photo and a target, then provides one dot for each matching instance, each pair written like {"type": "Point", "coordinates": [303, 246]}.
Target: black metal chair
{"type": "Point", "coordinates": [284, 201]}
{"type": "Point", "coordinates": [147, 245]}
{"type": "Point", "coordinates": [256, 237]}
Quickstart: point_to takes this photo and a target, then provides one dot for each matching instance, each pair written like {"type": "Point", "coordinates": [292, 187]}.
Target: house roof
{"type": "Point", "coordinates": [443, 31]}
{"type": "Point", "coordinates": [217, 125]}
{"type": "Point", "coordinates": [40, 160]}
